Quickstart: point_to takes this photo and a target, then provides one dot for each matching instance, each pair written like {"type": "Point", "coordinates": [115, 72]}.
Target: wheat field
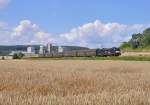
{"type": "Point", "coordinates": [74, 82]}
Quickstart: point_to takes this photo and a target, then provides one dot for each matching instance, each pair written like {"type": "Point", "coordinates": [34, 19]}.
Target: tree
{"type": "Point", "coordinates": [125, 45]}
{"type": "Point", "coordinates": [136, 40]}
{"type": "Point", "coordinates": [3, 58]}
{"type": "Point", "coordinates": [139, 40]}
{"type": "Point", "coordinates": [146, 40]}
{"type": "Point", "coordinates": [15, 56]}
{"type": "Point", "coordinates": [18, 56]}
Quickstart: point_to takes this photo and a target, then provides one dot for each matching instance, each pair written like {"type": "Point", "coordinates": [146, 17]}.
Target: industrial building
{"type": "Point", "coordinates": [60, 49]}
{"type": "Point", "coordinates": [49, 49]}
{"type": "Point", "coordinates": [44, 50]}
{"type": "Point", "coordinates": [29, 53]}
{"type": "Point", "coordinates": [31, 50]}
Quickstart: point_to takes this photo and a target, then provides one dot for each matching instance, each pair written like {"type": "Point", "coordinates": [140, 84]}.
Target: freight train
{"type": "Point", "coordinates": [88, 53]}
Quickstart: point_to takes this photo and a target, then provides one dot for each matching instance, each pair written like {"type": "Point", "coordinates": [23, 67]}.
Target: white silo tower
{"type": "Point", "coordinates": [41, 51]}
{"type": "Point", "coordinates": [31, 50]}
{"type": "Point", "coordinates": [49, 48]}
{"type": "Point", "coordinates": [60, 49]}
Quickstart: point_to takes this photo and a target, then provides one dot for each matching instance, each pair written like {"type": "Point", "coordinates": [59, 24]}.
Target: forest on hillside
{"type": "Point", "coordinates": [138, 41]}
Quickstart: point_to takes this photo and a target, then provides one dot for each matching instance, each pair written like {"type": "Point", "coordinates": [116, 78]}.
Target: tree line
{"type": "Point", "coordinates": [138, 40]}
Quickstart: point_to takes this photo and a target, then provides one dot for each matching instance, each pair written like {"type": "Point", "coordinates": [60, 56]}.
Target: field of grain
{"type": "Point", "coordinates": [74, 82]}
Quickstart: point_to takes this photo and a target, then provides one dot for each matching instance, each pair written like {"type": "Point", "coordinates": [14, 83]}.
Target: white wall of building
{"type": "Point", "coordinates": [49, 48]}
{"type": "Point", "coordinates": [41, 51]}
{"type": "Point", "coordinates": [60, 49]}
{"type": "Point", "coordinates": [31, 50]}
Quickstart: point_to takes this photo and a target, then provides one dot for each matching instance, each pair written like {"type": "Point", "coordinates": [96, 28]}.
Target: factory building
{"type": "Point", "coordinates": [60, 49]}
{"type": "Point", "coordinates": [50, 49]}
{"type": "Point", "coordinates": [41, 51]}
{"type": "Point", "coordinates": [31, 50]}
{"type": "Point", "coordinates": [17, 52]}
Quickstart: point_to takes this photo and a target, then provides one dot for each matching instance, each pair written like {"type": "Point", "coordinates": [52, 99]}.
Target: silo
{"type": "Point", "coordinates": [41, 51]}
{"type": "Point", "coordinates": [60, 49]}
{"type": "Point", "coordinates": [31, 50]}
{"type": "Point", "coordinates": [49, 48]}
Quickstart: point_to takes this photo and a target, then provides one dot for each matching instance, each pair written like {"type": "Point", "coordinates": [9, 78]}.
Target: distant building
{"type": "Point", "coordinates": [42, 50]}
{"type": "Point", "coordinates": [60, 49]}
{"type": "Point", "coordinates": [17, 52]}
{"type": "Point", "coordinates": [29, 53]}
{"type": "Point", "coordinates": [49, 48]}
{"type": "Point", "coordinates": [31, 50]}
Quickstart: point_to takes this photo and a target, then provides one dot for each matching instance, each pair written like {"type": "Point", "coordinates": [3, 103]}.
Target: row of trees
{"type": "Point", "coordinates": [139, 40]}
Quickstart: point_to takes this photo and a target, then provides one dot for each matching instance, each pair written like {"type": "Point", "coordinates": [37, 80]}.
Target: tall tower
{"type": "Point", "coordinates": [41, 51]}
{"type": "Point", "coordinates": [49, 48]}
{"type": "Point", "coordinates": [31, 50]}
{"type": "Point", "coordinates": [60, 49]}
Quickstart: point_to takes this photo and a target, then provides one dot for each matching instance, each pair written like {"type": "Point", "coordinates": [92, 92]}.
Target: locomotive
{"type": "Point", "coordinates": [88, 53]}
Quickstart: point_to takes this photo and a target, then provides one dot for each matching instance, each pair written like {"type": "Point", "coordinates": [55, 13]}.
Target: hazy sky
{"type": "Point", "coordinates": [93, 23]}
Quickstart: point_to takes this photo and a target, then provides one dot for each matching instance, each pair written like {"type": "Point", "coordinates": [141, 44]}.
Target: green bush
{"type": "Point", "coordinates": [3, 58]}
{"type": "Point", "coordinates": [18, 56]}
{"type": "Point", "coordinates": [125, 45]}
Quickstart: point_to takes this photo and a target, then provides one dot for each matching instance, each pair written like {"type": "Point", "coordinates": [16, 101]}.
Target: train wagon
{"type": "Point", "coordinates": [88, 53]}
{"type": "Point", "coordinates": [70, 54]}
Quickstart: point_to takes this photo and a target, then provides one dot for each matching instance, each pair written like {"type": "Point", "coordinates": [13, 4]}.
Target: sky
{"type": "Point", "coordinates": [88, 23]}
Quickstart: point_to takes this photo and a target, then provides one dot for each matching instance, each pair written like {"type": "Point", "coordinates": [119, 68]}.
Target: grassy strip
{"type": "Point", "coordinates": [128, 58]}
{"type": "Point", "coordinates": [146, 49]}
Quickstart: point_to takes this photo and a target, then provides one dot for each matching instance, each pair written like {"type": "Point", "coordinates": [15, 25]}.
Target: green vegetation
{"type": "Point", "coordinates": [18, 56]}
{"type": "Point", "coordinates": [138, 42]}
{"type": "Point", "coordinates": [3, 58]}
{"type": "Point", "coordinates": [128, 58]}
